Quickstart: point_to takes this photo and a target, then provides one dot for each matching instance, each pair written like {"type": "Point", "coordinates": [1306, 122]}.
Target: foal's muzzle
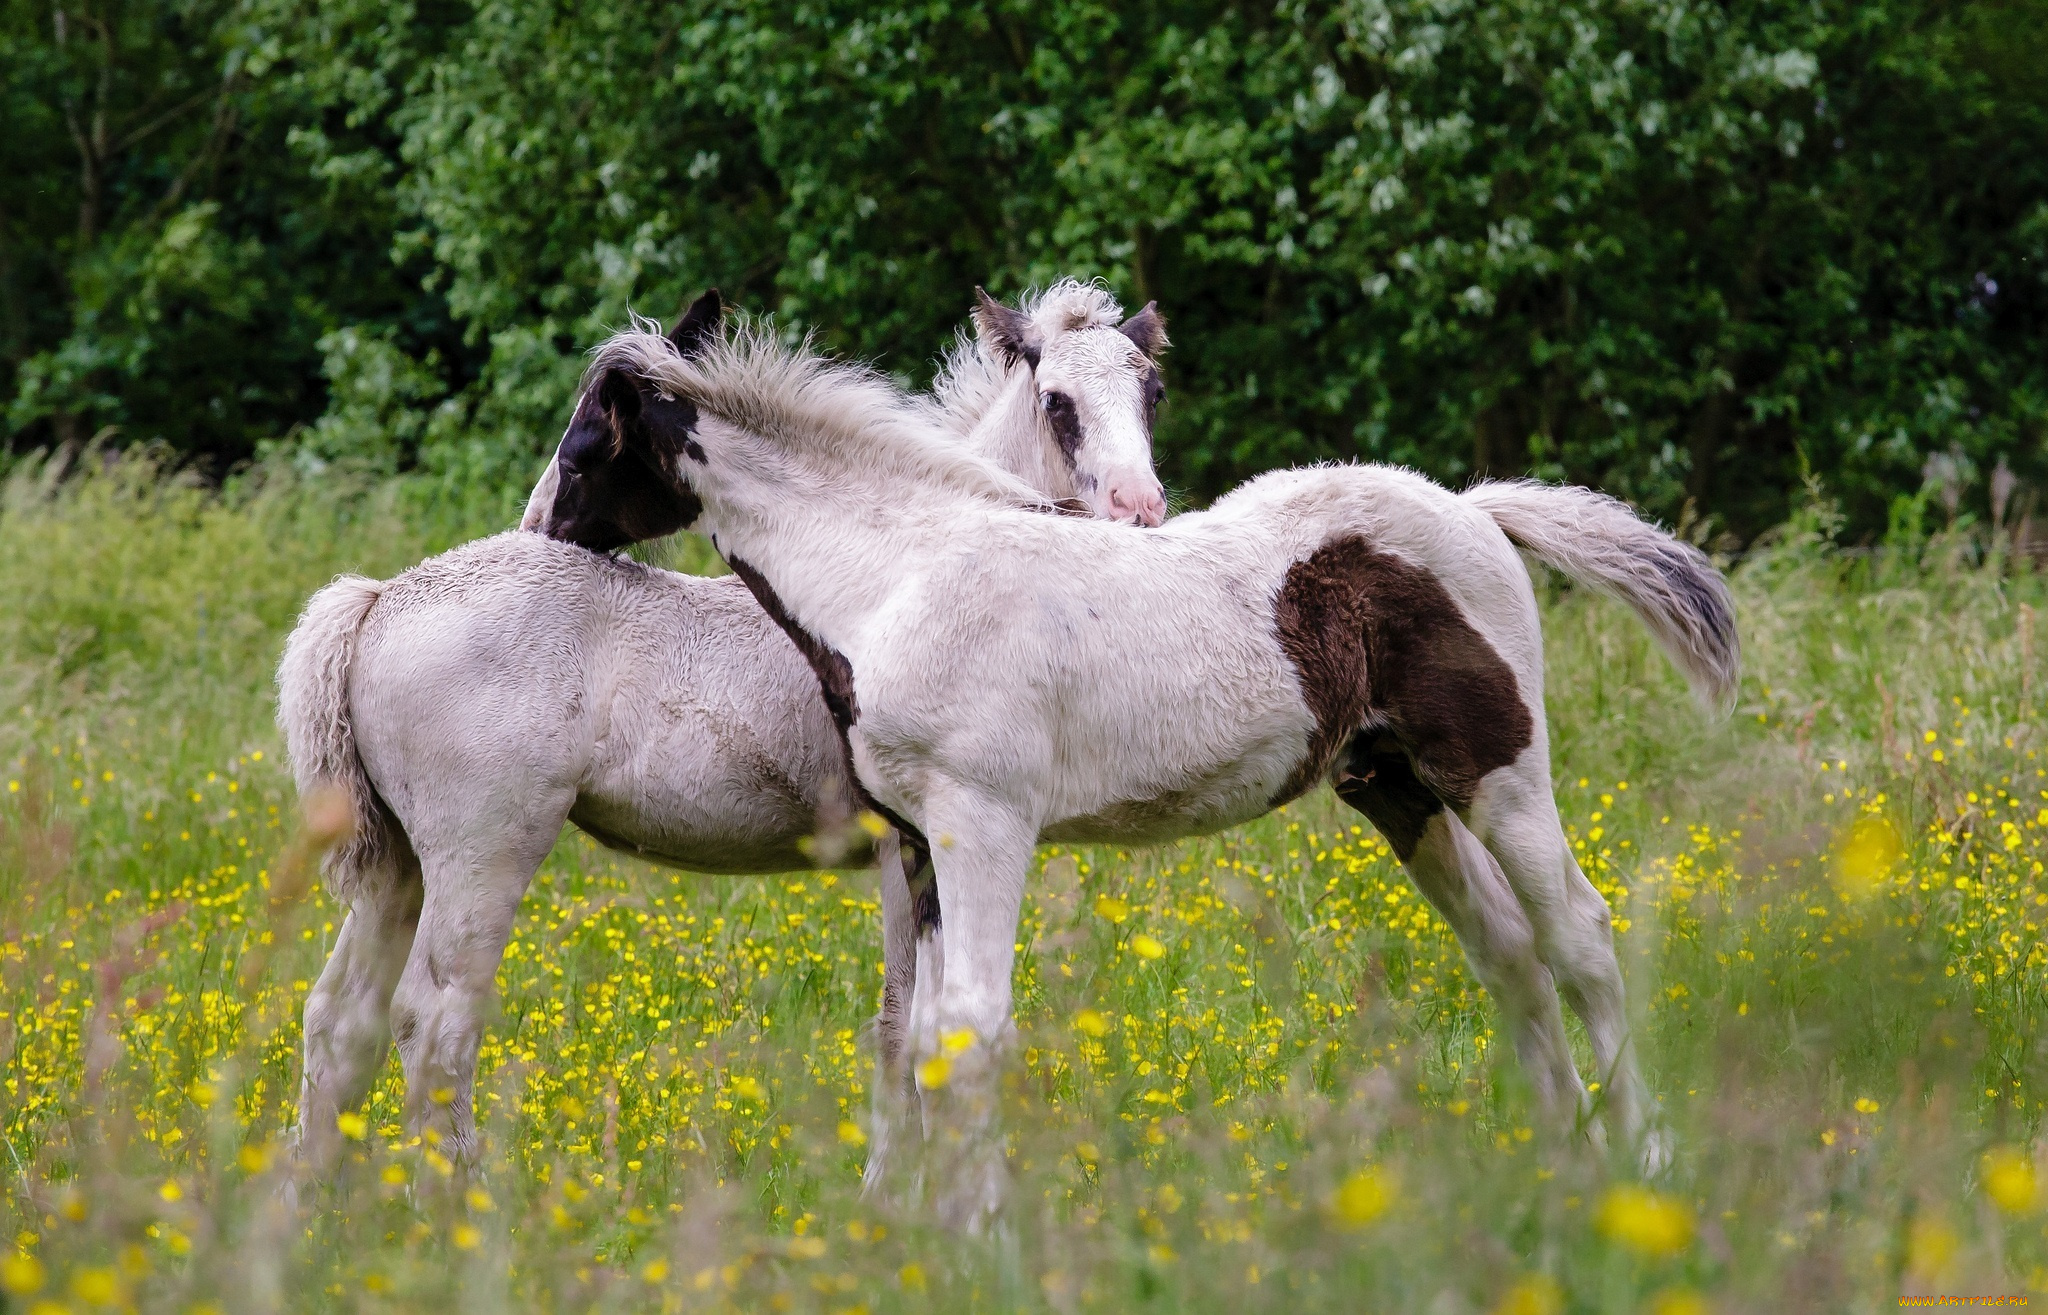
{"type": "Point", "coordinates": [1137, 498]}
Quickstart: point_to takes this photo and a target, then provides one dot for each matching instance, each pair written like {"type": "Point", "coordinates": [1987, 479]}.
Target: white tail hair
{"type": "Point", "coordinates": [1602, 544]}
{"type": "Point", "coordinates": [319, 733]}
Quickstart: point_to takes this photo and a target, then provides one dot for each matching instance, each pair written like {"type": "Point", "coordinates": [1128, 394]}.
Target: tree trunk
{"type": "Point", "coordinates": [1499, 441]}
{"type": "Point", "coordinates": [1703, 447]}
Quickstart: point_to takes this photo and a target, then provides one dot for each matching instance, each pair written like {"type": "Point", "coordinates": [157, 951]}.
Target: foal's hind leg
{"type": "Point", "coordinates": [474, 881]}
{"type": "Point", "coordinates": [1459, 878]}
{"type": "Point", "coordinates": [348, 1011]}
{"type": "Point", "coordinates": [1515, 816]}
{"type": "Point", "coordinates": [902, 869]}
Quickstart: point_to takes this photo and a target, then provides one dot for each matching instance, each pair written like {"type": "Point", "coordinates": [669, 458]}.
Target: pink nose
{"type": "Point", "coordinates": [1142, 503]}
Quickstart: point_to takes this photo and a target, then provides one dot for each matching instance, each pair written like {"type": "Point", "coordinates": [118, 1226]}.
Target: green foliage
{"type": "Point", "coordinates": [1691, 253]}
{"type": "Point", "coordinates": [173, 246]}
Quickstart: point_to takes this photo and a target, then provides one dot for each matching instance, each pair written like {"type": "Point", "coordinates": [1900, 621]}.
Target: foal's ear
{"type": "Point", "coordinates": [1147, 329]}
{"type": "Point", "coordinates": [618, 395]}
{"type": "Point", "coordinates": [1010, 332]}
{"type": "Point", "coordinates": [699, 322]}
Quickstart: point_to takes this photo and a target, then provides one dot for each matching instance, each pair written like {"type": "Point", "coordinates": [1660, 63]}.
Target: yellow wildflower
{"type": "Point", "coordinates": [1679, 1301]}
{"type": "Point", "coordinates": [1866, 856]}
{"type": "Point", "coordinates": [1645, 1221]}
{"type": "Point", "coordinates": [96, 1287]}
{"type": "Point", "coordinates": [1538, 1294]}
{"type": "Point", "coordinates": [2009, 1180]}
{"type": "Point", "coordinates": [1931, 1249]}
{"type": "Point", "coordinates": [1363, 1197]}
{"type": "Point", "coordinates": [21, 1276]}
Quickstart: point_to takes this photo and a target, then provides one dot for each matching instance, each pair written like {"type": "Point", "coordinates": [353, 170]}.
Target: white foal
{"type": "Point", "coordinates": [1005, 677]}
{"type": "Point", "coordinates": [470, 706]}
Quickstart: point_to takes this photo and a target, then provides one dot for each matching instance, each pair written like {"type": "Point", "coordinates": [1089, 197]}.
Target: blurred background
{"type": "Point", "coordinates": [1702, 255]}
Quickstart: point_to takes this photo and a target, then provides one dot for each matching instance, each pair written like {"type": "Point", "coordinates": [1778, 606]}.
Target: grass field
{"type": "Point", "coordinates": [1254, 1070]}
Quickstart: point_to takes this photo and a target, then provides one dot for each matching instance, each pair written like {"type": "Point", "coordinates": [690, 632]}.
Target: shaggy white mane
{"type": "Point", "coordinates": [806, 403]}
{"type": "Point", "coordinates": [972, 375]}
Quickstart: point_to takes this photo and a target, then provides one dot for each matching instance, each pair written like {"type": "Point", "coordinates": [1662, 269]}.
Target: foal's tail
{"type": "Point", "coordinates": [1600, 543]}
{"type": "Point", "coordinates": [319, 731]}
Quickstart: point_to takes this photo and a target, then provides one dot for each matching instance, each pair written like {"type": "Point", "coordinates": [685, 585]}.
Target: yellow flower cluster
{"type": "Point", "coordinates": [660, 1031]}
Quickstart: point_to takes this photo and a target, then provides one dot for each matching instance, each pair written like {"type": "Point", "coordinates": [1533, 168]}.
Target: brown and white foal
{"type": "Point", "coordinates": [1004, 677]}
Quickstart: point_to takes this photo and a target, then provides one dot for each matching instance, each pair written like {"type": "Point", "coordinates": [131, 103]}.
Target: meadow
{"type": "Point", "coordinates": [1253, 1072]}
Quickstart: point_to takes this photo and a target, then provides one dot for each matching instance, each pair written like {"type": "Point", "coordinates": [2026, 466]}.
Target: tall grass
{"type": "Point", "coordinates": [1253, 1070]}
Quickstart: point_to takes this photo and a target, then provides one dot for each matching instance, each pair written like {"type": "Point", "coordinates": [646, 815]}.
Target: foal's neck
{"type": "Point", "coordinates": [1012, 435]}
{"type": "Point", "coordinates": [833, 552]}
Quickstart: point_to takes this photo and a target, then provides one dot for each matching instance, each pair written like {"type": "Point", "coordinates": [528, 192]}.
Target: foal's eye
{"type": "Point", "coordinates": [1055, 402]}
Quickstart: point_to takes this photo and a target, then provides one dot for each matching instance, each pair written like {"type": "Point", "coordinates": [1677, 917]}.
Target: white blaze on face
{"type": "Point", "coordinates": [1097, 392]}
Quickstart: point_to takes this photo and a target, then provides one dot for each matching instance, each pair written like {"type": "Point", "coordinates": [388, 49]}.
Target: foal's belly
{"type": "Point", "coordinates": [708, 784]}
{"type": "Point", "coordinates": [1151, 821]}
{"type": "Point", "coordinates": [1203, 801]}
{"type": "Point", "coordinates": [714, 751]}
{"type": "Point", "coordinates": [665, 831]}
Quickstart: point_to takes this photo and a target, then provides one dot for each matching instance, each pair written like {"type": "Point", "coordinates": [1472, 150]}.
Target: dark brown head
{"type": "Point", "coordinates": [613, 479]}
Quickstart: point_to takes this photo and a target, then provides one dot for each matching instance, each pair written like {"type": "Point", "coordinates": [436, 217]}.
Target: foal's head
{"type": "Point", "coordinates": [1098, 389]}
{"type": "Point", "coordinates": [612, 480]}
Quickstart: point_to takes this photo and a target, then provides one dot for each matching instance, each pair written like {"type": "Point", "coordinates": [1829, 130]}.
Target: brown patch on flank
{"type": "Point", "coordinates": [1377, 641]}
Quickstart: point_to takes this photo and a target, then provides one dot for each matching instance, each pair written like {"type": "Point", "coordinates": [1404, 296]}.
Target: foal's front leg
{"type": "Point", "coordinates": [960, 1023]}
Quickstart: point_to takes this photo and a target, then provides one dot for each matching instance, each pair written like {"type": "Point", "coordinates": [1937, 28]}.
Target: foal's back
{"type": "Point", "coordinates": [518, 680]}
{"type": "Point", "coordinates": [1118, 737]}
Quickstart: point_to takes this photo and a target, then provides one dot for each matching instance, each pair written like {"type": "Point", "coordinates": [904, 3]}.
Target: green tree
{"type": "Point", "coordinates": [1693, 254]}
{"type": "Point", "coordinates": [170, 255]}
{"type": "Point", "coordinates": [1688, 253]}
